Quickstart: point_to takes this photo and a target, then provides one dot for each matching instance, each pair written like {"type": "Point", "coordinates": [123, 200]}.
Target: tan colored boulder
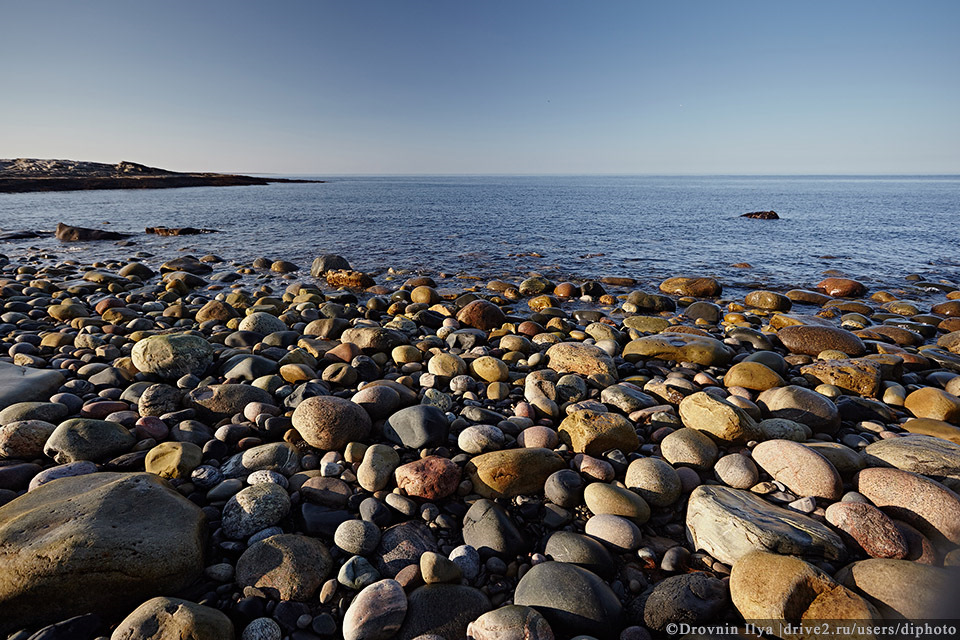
{"type": "Point", "coordinates": [512, 472]}
{"type": "Point", "coordinates": [585, 359]}
{"type": "Point", "coordinates": [174, 619]}
{"type": "Point", "coordinates": [935, 428]}
{"type": "Point", "coordinates": [935, 404]}
{"type": "Point", "coordinates": [173, 459]}
{"type": "Point", "coordinates": [678, 347]}
{"type": "Point", "coordinates": [593, 433]}
{"type": "Point", "coordinates": [717, 417]}
{"type": "Point", "coordinates": [752, 375]}
{"type": "Point", "coordinates": [861, 377]}
{"type": "Point", "coordinates": [768, 586]}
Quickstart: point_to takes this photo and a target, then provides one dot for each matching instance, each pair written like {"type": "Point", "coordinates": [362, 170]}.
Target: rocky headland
{"type": "Point", "coordinates": [197, 448]}
{"type": "Point", "coordinates": [30, 174]}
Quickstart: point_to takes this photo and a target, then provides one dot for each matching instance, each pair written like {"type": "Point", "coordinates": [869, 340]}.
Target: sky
{"type": "Point", "coordinates": [485, 87]}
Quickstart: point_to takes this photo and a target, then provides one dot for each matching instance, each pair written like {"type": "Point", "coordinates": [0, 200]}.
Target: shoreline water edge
{"type": "Point", "coordinates": [262, 449]}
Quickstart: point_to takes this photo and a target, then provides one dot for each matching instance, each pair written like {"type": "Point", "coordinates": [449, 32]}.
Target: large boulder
{"type": "Point", "coordinates": [101, 543]}
{"type": "Point", "coordinates": [730, 523]}
{"type": "Point", "coordinates": [88, 439]}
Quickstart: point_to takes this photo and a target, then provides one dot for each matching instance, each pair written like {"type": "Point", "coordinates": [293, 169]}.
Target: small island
{"type": "Point", "coordinates": [24, 175]}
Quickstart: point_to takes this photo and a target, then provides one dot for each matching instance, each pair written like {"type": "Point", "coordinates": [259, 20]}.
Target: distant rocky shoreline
{"type": "Point", "coordinates": [25, 175]}
{"type": "Point", "coordinates": [194, 448]}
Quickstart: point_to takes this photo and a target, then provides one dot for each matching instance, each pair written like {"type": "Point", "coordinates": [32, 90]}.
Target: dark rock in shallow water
{"type": "Point", "coordinates": [761, 215]}
{"type": "Point", "coordinates": [178, 231]}
{"type": "Point", "coordinates": [67, 233]}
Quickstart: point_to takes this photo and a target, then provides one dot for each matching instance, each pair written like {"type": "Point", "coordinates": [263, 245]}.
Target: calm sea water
{"type": "Point", "coordinates": [878, 229]}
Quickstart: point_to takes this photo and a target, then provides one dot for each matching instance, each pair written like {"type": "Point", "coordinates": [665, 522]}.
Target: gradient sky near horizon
{"type": "Point", "coordinates": [489, 87]}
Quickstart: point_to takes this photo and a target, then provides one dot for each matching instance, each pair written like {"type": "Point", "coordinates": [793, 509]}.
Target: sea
{"type": "Point", "coordinates": [877, 229]}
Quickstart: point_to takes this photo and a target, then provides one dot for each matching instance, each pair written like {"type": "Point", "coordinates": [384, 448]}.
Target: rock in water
{"type": "Point", "coordinates": [161, 618]}
{"type": "Point", "coordinates": [761, 215]}
{"type": "Point", "coordinates": [100, 543]}
{"type": "Point", "coordinates": [68, 233]}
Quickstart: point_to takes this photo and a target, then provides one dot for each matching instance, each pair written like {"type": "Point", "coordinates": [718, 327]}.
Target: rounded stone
{"type": "Point", "coordinates": [752, 375]}
{"type": "Point", "coordinates": [376, 613]}
{"type": "Point", "coordinates": [160, 618]}
{"type": "Point", "coordinates": [619, 533]}
{"type": "Point", "coordinates": [804, 471]}
{"type": "Point", "coordinates": [285, 566]}
{"type": "Point", "coordinates": [511, 622]}
{"type": "Point", "coordinates": [490, 369]}
{"type": "Point", "coordinates": [86, 439]}
{"type": "Point", "coordinates": [263, 323]}
{"type": "Point", "coordinates": [172, 356]}
{"type": "Point", "coordinates": [655, 480]}
{"type": "Point", "coordinates": [173, 459]}
{"type": "Point", "coordinates": [916, 499]}
{"type": "Point", "coordinates": [430, 478]}
{"type": "Point", "coordinates": [603, 498]}
{"type": "Point", "coordinates": [689, 447]}
{"type": "Point", "coordinates": [512, 472]}
{"type": "Point", "coordinates": [329, 423]}
{"type": "Point", "coordinates": [570, 598]}
{"type": "Point", "coordinates": [737, 471]}
{"type": "Point", "coordinates": [869, 528]}
{"type": "Point", "coordinates": [813, 339]}
{"type": "Point", "coordinates": [68, 547]}
{"type": "Point", "coordinates": [594, 433]}
{"type": "Point", "coordinates": [24, 439]}
{"type": "Point", "coordinates": [254, 508]}
{"type": "Point", "coordinates": [357, 537]}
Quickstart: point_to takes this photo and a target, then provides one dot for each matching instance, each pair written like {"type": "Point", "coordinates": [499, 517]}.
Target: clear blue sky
{"type": "Point", "coordinates": [492, 86]}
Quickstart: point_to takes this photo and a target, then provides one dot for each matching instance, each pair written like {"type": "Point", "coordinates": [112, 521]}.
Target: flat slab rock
{"type": "Point", "coordinates": [729, 523]}
{"type": "Point", "coordinates": [25, 384]}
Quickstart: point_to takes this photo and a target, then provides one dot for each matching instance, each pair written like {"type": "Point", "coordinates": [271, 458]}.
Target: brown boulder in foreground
{"type": "Point", "coordinates": [98, 543]}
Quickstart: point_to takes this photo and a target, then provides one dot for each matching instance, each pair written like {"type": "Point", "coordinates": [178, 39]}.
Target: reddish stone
{"type": "Point", "coordinates": [151, 427]}
{"type": "Point", "coordinates": [430, 478]}
{"type": "Point", "coordinates": [869, 528]}
{"type": "Point", "coordinates": [101, 409]}
{"type": "Point", "coordinates": [842, 287]}
{"type": "Point", "coordinates": [107, 303]}
{"type": "Point", "coordinates": [482, 315]}
{"type": "Point", "coordinates": [344, 352]}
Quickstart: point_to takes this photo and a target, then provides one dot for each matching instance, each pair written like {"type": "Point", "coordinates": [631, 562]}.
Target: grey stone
{"type": "Point", "coordinates": [571, 598]}
{"type": "Point", "coordinates": [729, 523]}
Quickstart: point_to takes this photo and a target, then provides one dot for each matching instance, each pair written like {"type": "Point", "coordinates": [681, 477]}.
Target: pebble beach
{"type": "Point", "coordinates": [221, 447]}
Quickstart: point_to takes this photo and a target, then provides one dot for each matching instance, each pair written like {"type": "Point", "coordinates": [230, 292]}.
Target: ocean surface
{"type": "Point", "coordinates": [876, 229]}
